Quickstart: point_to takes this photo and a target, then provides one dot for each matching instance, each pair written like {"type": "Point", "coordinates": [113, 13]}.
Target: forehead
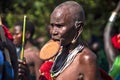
{"type": "Point", "coordinates": [60, 15]}
{"type": "Point", "coordinates": [17, 29]}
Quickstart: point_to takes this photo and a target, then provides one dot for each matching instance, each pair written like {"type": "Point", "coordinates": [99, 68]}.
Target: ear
{"type": "Point", "coordinates": [79, 28]}
{"type": "Point", "coordinates": [78, 24]}
{"type": "Point", "coordinates": [28, 35]}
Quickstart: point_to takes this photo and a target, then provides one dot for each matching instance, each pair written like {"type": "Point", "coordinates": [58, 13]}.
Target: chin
{"type": "Point", "coordinates": [65, 43]}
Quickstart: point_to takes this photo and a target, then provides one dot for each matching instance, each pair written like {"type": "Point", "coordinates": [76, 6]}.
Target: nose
{"type": "Point", "coordinates": [55, 30]}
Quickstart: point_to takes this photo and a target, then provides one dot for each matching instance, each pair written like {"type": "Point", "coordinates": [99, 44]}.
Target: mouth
{"type": "Point", "coordinates": [14, 42]}
{"type": "Point", "coordinates": [55, 38]}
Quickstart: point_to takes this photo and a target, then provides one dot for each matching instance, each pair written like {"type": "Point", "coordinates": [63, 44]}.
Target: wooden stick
{"type": "Point", "coordinates": [23, 38]}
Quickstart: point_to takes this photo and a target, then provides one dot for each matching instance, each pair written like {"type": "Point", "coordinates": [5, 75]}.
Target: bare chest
{"type": "Point", "coordinates": [29, 55]}
{"type": "Point", "coordinates": [72, 72]}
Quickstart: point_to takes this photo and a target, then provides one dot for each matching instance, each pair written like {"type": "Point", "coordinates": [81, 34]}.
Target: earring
{"type": "Point", "coordinates": [76, 37]}
{"type": "Point", "coordinates": [78, 25]}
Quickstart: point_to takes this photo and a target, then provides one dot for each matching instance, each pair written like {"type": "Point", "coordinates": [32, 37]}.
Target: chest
{"type": "Point", "coordinates": [72, 72]}
{"type": "Point", "coordinates": [29, 55]}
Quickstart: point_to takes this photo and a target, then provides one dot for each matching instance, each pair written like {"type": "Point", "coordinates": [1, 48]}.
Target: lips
{"type": "Point", "coordinates": [55, 38]}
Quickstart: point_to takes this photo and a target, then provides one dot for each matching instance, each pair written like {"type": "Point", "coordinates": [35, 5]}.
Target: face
{"type": "Point", "coordinates": [61, 27]}
{"type": "Point", "coordinates": [17, 36]}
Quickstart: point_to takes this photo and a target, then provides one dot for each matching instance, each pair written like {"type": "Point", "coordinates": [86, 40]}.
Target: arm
{"type": "Point", "coordinates": [13, 57]}
{"type": "Point", "coordinates": [115, 68]}
{"type": "Point", "coordinates": [37, 64]}
{"type": "Point", "coordinates": [108, 45]}
{"type": "Point", "coordinates": [88, 65]}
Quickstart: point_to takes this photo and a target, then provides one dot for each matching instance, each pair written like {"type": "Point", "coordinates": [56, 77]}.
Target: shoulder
{"type": "Point", "coordinates": [36, 50]}
{"type": "Point", "coordinates": [35, 55]}
{"type": "Point", "coordinates": [32, 51]}
{"type": "Point", "coordinates": [87, 56]}
{"type": "Point", "coordinates": [31, 54]}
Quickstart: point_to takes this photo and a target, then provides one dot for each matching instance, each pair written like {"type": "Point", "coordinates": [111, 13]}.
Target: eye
{"type": "Point", "coordinates": [56, 25]}
{"type": "Point", "coordinates": [59, 25]}
{"type": "Point", "coordinates": [50, 25]}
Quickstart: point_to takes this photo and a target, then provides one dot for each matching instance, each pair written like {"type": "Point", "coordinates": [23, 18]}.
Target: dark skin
{"type": "Point", "coordinates": [65, 27]}
{"type": "Point", "coordinates": [30, 54]}
{"type": "Point", "coordinates": [62, 27]}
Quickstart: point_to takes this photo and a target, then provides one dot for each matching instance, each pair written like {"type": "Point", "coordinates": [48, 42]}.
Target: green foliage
{"type": "Point", "coordinates": [38, 11]}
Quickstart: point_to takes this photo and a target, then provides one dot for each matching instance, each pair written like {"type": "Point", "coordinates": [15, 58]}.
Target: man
{"type": "Point", "coordinates": [74, 61]}
{"type": "Point", "coordinates": [30, 51]}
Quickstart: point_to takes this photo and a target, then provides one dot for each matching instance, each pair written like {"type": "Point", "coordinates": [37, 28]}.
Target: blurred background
{"type": "Point", "coordinates": [38, 11]}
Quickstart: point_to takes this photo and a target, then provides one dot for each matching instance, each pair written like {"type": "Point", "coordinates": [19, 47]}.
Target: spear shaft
{"type": "Point", "coordinates": [23, 38]}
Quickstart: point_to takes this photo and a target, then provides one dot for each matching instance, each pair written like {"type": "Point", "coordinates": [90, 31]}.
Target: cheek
{"type": "Point", "coordinates": [18, 37]}
{"type": "Point", "coordinates": [63, 31]}
{"type": "Point", "coordinates": [68, 35]}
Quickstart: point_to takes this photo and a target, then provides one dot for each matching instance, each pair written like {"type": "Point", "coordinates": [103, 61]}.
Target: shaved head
{"type": "Point", "coordinates": [70, 8]}
{"type": "Point", "coordinates": [66, 21]}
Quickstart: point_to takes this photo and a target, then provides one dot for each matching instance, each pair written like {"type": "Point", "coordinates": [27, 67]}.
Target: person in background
{"type": "Point", "coordinates": [96, 45]}
{"type": "Point", "coordinates": [115, 70]}
{"type": "Point", "coordinates": [30, 50]}
{"type": "Point", "coordinates": [110, 50]}
{"type": "Point", "coordinates": [8, 68]}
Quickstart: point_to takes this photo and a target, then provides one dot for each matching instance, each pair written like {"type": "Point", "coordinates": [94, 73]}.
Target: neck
{"type": "Point", "coordinates": [28, 45]}
{"type": "Point", "coordinates": [70, 46]}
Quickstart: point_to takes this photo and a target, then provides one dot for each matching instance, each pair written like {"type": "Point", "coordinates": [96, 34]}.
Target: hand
{"type": "Point", "coordinates": [23, 70]}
